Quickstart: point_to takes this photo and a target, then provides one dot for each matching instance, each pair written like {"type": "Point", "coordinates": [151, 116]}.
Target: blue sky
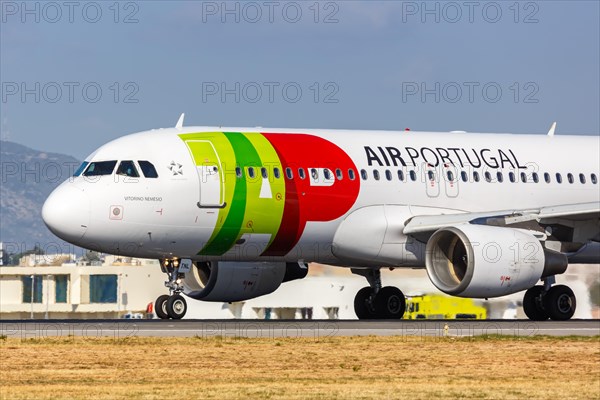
{"type": "Point", "coordinates": [495, 67]}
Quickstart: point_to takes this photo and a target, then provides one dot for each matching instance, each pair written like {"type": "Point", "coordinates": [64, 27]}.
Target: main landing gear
{"type": "Point", "coordinates": [172, 305]}
{"type": "Point", "coordinates": [546, 301]}
{"type": "Point", "coordinates": [376, 302]}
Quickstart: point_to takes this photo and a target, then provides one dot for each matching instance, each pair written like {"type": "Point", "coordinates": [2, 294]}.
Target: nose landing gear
{"type": "Point", "coordinates": [173, 305]}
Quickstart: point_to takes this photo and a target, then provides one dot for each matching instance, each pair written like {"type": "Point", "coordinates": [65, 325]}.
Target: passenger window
{"type": "Point", "coordinates": [326, 174]}
{"type": "Point", "coordinates": [558, 178]}
{"type": "Point", "coordinates": [570, 177]}
{"type": "Point", "coordinates": [523, 177]}
{"type": "Point", "coordinates": [450, 176]}
{"type": "Point", "coordinates": [363, 174]}
{"type": "Point", "coordinates": [100, 168]}
{"type": "Point", "coordinates": [535, 177]}
{"type": "Point", "coordinates": [376, 174]}
{"type": "Point", "coordinates": [351, 174]}
{"type": "Point", "coordinates": [464, 176]}
{"type": "Point", "coordinates": [547, 177]}
{"type": "Point", "coordinates": [314, 174]}
{"type": "Point", "coordinates": [264, 173]}
{"type": "Point", "coordinates": [594, 179]}
{"type": "Point", "coordinates": [301, 173]}
{"type": "Point", "coordinates": [388, 174]}
{"type": "Point", "coordinates": [148, 169]}
{"type": "Point", "coordinates": [238, 172]}
{"type": "Point", "coordinates": [288, 173]}
{"type": "Point", "coordinates": [413, 175]}
{"type": "Point", "coordinates": [127, 168]}
{"type": "Point", "coordinates": [401, 175]}
{"type": "Point", "coordinates": [476, 176]}
{"type": "Point", "coordinates": [511, 176]}
{"type": "Point", "coordinates": [338, 174]}
{"type": "Point", "coordinates": [582, 178]}
{"type": "Point", "coordinates": [430, 175]}
{"type": "Point", "coordinates": [251, 172]}
{"type": "Point", "coordinates": [79, 170]}
{"type": "Point", "coordinates": [276, 173]}
{"type": "Point", "coordinates": [500, 176]}
{"type": "Point", "coordinates": [488, 176]}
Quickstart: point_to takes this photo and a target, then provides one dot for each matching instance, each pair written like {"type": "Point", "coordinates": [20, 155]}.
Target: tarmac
{"type": "Point", "coordinates": [40, 329]}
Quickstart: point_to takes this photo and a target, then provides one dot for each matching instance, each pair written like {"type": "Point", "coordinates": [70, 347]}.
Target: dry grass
{"type": "Point", "coordinates": [332, 368]}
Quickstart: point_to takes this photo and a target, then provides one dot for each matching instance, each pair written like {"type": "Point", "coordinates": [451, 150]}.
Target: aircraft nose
{"type": "Point", "coordinates": [66, 212]}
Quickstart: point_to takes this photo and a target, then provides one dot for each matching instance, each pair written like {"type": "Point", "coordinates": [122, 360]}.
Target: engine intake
{"type": "Point", "coordinates": [484, 261]}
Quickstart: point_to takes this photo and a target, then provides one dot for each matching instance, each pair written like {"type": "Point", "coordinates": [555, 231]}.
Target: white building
{"type": "Point", "coordinates": [71, 291]}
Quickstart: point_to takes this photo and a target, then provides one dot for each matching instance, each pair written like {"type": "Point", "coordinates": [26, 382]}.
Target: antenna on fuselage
{"type": "Point", "coordinates": [552, 129]}
{"type": "Point", "coordinates": [180, 121]}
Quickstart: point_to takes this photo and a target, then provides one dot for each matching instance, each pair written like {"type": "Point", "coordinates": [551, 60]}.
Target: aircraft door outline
{"type": "Point", "coordinates": [210, 173]}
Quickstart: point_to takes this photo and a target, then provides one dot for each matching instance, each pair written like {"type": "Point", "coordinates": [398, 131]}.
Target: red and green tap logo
{"type": "Point", "coordinates": [273, 183]}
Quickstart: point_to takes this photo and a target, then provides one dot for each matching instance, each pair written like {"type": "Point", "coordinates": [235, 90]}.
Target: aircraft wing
{"type": "Point", "coordinates": [570, 212]}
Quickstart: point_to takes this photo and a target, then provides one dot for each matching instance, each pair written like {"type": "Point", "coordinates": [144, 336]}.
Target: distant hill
{"type": "Point", "coordinates": [27, 178]}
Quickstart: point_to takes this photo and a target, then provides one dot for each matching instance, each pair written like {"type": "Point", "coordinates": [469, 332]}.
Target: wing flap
{"type": "Point", "coordinates": [430, 223]}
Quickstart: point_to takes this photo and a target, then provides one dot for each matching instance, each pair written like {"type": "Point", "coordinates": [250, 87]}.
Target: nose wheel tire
{"type": "Point", "coordinates": [560, 303]}
{"type": "Point", "coordinates": [533, 304]}
{"type": "Point", "coordinates": [160, 306]}
{"type": "Point", "coordinates": [176, 306]}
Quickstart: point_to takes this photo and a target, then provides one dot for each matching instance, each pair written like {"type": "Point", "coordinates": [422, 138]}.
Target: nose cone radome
{"type": "Point", "coordinates": [66, 213]}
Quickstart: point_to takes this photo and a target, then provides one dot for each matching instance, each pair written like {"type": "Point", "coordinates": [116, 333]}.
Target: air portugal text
{"type": "Point", "coordinates": [409, 156]}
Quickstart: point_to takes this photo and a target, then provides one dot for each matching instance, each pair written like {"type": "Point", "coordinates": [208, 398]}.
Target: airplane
{"type": "Point", "coordinates": [232, 213]}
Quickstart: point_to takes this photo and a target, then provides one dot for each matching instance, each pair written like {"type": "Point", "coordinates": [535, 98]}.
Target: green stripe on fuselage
{"type": "Point", "coordinates": [253, 205]}
{"type": "Point", "coordinates": [228, 232]}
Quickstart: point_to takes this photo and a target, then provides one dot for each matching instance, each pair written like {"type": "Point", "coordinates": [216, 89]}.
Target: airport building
{"type": "Point", "coordinates": [37, 288]}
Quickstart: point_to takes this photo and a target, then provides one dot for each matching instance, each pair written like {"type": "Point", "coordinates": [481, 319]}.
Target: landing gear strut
{"type": "Point", "coordinates": [172, 305]}
{"type": "Point", "coordinates": [376, 302]}
{"type": "Point", "coordinates": [555, 302]}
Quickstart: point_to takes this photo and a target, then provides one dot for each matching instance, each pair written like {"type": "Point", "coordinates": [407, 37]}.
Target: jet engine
{"type": "Point", "coordinates": [484, 261]}
{"type": "Point", "coordinates": [236, 281]}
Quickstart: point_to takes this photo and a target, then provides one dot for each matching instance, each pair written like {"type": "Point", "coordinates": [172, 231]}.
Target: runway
{"type": "Point", "coordinates": [39, 329]}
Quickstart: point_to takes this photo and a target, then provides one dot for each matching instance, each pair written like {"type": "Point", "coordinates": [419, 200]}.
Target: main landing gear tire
{"type": "Point", "coordinates": [557, 303]}
{"type": "Point", "coordinates": [533, 304]}
{"type": "Point", "coordinates": [388, 303]}
{"type": "Point", "coordinates": [363, 306]}
{"type": "Point", "coordinates": [176, 306]}
{"type": "Point", "coordinates": [560, 303]}
{"type": "Point", "coordinates": [160, 306]}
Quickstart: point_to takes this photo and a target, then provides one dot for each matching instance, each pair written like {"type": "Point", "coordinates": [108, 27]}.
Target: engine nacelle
{"type": "Point", "coordinates": [484, 261]}
{"type": "Point", "coordinates": [236, 281]}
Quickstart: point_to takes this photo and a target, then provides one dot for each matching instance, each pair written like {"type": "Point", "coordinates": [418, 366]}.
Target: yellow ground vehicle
{"type": "Point", "coordinates": [437, 306]}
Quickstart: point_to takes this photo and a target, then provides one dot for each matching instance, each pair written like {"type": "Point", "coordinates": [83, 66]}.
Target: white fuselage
{"type": "Point", "coordinates": [193, 208]}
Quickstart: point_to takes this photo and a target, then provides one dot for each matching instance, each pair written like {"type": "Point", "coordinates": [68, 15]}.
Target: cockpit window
{"type": "Point", "coordinates": [127, 168]}
{"type": "Point", "coordinates": [148, 169]}
{"type": "Point", "coordinates": [81, 168]}
{"type": "Point", "coordinates": [100, 168]}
